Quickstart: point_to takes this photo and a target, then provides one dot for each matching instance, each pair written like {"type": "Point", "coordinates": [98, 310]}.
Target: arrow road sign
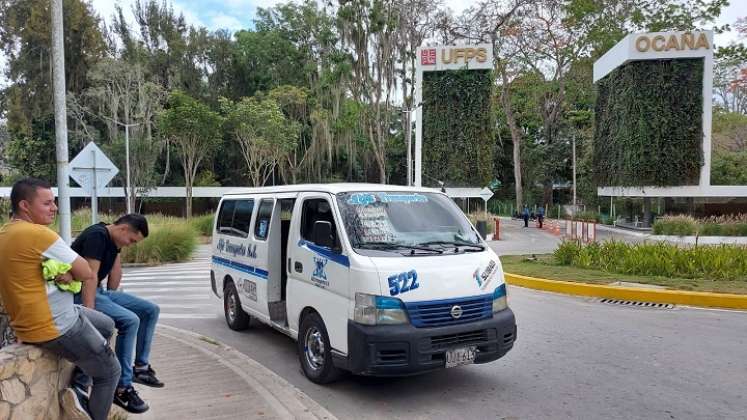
{"type": "Point", "coordinates": [92, 169]}
{"type": "Point", "coordinates": [485, 193]}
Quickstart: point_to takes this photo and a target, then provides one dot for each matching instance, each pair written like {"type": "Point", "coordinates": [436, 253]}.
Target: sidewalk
{"type": "Point", "coordinates": [207, 380]}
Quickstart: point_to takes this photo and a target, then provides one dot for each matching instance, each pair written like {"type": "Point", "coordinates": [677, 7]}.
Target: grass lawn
{"type": "Point", "coordinates": [545, 267]}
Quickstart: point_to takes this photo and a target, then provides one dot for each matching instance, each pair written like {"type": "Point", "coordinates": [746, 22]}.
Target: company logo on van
{"type": "Point", "coordinates": [456, 311]}
{"type": "Point", "coordinates": [225, 246]}
{"type": "Point", "coordinates": [484, 278]}
{"type": "Point", "coordinates": [319, 277]}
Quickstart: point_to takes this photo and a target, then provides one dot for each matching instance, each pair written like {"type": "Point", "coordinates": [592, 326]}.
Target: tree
{"type": "Point", "coordinates": [497, 23]}
{"type": "Point", "coordinates": [265, 136]}
{"type": "Point", "coordinates": [368, 28]}
{"type": "Point", "coordinates": [194, 130]}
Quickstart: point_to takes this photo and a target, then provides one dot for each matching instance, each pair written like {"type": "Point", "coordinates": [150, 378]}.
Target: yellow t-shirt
{"type": "Point", "coordinates": [38, 312]}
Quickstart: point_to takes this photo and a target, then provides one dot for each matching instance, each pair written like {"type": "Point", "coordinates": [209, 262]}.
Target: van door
{"type": "Point", "coordinates": [318, 272]}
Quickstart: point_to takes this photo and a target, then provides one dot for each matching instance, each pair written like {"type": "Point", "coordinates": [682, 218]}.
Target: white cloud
{"type": "Point", "coordinates": [223, 21]}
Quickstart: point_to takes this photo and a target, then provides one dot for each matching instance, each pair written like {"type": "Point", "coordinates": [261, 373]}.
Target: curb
{"type": "Point", "coordinates": [702, 299]}
{"type": "Point", "coordinates": [288, 401]}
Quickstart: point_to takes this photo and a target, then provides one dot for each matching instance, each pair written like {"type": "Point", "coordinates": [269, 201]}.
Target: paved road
{"type": "Point", "coordinates": [574, 359]}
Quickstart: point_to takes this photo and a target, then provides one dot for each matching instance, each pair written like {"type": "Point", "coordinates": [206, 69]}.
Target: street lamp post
{"type": "Point", "coordinates": [129, 195]}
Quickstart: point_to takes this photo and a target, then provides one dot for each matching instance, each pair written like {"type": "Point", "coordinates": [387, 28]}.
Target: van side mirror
{"type": "Point", "coordinates": [322, 234]}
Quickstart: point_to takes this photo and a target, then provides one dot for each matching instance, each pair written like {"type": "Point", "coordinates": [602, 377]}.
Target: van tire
{"type": "Point", "coordinates": [317, 364]}
{"type": "Point", "coordinates": [236, 318]}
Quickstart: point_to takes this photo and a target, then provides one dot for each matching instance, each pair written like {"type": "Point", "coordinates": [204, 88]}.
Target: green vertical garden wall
{"type": "Point", "coordinates": [458, 127]}
{"type": "Point", "coordinates": [649, 127]}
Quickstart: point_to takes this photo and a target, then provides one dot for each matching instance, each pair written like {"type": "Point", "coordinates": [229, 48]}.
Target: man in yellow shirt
{"type": "Point", "coordinates": [40, 313]}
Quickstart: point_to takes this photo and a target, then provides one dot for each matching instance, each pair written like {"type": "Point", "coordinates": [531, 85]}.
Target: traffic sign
{"type": "Point", "coordinates": [485, 193]}
{"type": "Point", "coordinates": [92, 169]}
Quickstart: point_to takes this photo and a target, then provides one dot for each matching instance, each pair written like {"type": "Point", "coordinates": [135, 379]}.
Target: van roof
{"type": "Point", "coordinates": [333, 188]}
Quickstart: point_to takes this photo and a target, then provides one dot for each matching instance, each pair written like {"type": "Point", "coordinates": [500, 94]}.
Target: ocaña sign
{"type": "Point", "coordinates": [672, 42]}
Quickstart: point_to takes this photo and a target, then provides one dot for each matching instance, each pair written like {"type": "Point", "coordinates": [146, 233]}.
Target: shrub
{"type": "Point", "coordinates": [567, 252]}
{"type": "Point", "coordinates": [721, 262]}
{"type": "Point", "coordinates": [166, 243]}
{"type": "Point", "coordinates": [203, 224]}
{"type": "Point", "coordinates": [588, 216]}
{"type": "Point", "coordinates": [733, 225]}
{"type": "Point", "coordinates": [675, 225]}
{"type": "Point", "coordinates": [4, 210]}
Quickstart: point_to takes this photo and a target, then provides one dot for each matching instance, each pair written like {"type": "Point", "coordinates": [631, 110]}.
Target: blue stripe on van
{"type": "Point", "coordinates": [248, 269]}
{"type": "Point", "coordinates": [325, 252]}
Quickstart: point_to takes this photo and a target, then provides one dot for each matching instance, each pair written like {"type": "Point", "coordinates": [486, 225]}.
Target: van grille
{"type": "Point", "coordinates": [441, 342]}
{"type": "Point", "coordinates": [436, 313]}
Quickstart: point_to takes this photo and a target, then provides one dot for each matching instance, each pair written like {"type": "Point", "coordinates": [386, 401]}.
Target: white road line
{"type": "Point", "coordinates": [167, 278]}
{"type": "Point", "coordinates": [188, 316]}
{"type": "Point", "coordinates": [165, 289]}
{"type": "Point", "coordinates": [205, 296]}
{"type": "Point", "coordinates": [164, 282]}
{"type": "Point", "coordinates": [182, 306]}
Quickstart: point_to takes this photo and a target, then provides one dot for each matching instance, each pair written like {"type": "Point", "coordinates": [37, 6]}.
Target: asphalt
{"type": "Point", "coordinates": [206, 379]}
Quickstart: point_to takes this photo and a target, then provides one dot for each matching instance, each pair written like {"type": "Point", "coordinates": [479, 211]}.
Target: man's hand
{"type": "Point", "coordinates": [66, 278]}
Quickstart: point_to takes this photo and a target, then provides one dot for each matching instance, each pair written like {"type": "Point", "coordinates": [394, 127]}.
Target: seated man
{"type": "Point", "coordinates": [40, 313]}
{"type": "Point", "coordinates": [135, 318]}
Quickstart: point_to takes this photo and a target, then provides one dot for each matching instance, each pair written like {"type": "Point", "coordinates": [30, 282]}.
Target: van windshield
{"type": "Point", "coordinates": [381, 219]}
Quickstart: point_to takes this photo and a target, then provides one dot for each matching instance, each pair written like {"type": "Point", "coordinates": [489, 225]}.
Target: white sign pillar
{"type": "Point", "coordinates": [658, 46]}
{"type": "Point", "coordinates": [442, 58]}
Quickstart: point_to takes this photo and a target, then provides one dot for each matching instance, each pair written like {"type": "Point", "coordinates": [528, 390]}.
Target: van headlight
{"type": "Point", "coordinates": [500, 298]}
{"type": "Point", "coordinates": [378, 310]}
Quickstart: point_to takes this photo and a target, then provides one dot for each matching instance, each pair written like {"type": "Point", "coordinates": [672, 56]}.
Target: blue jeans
{"type": "Point", "coordinates": [135, 320]}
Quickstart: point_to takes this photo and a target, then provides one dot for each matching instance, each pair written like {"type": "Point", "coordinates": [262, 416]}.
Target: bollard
{"type": "Point", "coordinates": [497, 235]}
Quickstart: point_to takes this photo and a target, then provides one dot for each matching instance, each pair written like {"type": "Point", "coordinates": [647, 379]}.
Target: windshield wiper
{"type": "Point", "coordinates": [390, 245]}
{"type": "Point", "coordinates": [457, 244]}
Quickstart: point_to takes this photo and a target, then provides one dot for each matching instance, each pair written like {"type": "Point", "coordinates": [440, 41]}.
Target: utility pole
{"type": "Point", "coordinates": [573, 212]}
{"type": "Point", "coordinates": [408, 135]}
{"type": "Point", "coordinates": [130, 197]}
{"type": "Point", "coordinates": [60, 121]}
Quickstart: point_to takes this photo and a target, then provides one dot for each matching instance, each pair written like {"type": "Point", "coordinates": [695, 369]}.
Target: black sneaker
{"type": "Point", "coordinates": [146, 376]}
{"type": "Point", "coordinates": [128, 399]}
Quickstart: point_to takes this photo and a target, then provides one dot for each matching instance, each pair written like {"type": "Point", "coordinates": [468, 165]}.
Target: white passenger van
{"type": "Point", "coordinates": [373, 279]}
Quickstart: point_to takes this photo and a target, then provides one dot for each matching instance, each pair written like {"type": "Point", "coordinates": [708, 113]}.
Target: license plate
{"type": "Point", "coordinates": [460, 356]}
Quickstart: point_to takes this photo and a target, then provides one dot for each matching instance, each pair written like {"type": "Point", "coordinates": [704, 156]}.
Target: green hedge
{"type": "Point", "coordinates": [203, 224]}
{"type": "Point", "coordinates": [688, 226]}
{"type": "Point", "coordinates": [721, 262]}
{"type": "Point", "coordinates": [648, 128]}
{"type": "Point", "coordinates": [458, 127]}
{"type": "Point", "coordinates": [166, 243]}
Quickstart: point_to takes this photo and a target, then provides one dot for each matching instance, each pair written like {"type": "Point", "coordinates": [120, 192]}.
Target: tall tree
{"type": "Point", "coordinates": [265, 136]}
{"type": "Point", "coordinates": [194, 130]}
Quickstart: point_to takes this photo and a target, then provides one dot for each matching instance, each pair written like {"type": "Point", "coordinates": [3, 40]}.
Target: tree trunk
{"type": "Point", "coordinates": [515, 138]}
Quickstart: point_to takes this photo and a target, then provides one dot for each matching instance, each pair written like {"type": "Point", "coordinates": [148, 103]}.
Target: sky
{"type": "Point", "coordinates": [238, 14]}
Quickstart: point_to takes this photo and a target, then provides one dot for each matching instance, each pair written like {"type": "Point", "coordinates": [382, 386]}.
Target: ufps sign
{"type": "Point", "coordinates": [455, 57]}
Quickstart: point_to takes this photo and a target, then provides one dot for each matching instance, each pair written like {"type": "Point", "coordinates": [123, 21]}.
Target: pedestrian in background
{"type": "Point", "coordinates": [525, 215]}
{"type": "Point", "coordinates": [540, 215]}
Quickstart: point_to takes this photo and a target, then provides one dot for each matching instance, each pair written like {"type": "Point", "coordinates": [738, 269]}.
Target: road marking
{"type": "Point", "coordinates": [143, 285]}
{"type": "Point", "coordinates": [189, 316]}
{"type": "Point", "coordinates": [167, 289]}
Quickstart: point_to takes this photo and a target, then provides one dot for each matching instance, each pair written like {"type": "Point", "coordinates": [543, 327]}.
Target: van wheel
{"type": "Point", "coordinates": [315, 352]}
{"type": "Point", "coordinates": [236, 318]}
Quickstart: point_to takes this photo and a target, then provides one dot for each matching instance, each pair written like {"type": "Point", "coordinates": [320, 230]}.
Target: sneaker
{"type": "Point", "coordinates": [146, 376]}
{"type": "Point", "coordinates": [75, 404]}
{"type": "Point", "coordinates": [128, 399]}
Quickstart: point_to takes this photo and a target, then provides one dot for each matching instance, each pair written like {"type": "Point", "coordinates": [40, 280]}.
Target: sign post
{"type": "Point", "coordinates": [93, 170]}
{"type": "Point", "coordinates": [486, 194]}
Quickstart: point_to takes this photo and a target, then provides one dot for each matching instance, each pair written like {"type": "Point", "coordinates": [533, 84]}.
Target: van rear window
{"type": "Point", "coordinates": [235, 217]}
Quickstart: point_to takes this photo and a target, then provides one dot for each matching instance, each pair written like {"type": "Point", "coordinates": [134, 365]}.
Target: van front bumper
{"type": "Point", "coordinates": [399, 350]}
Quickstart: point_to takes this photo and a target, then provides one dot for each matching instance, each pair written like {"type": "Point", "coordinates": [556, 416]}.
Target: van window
{"type": "Point", "coordinates": [264, 215]}
{"type": "Point", "coordinates": [225, 216]}
{"type": "Point", "coordinates": [314, 210]}
{"type": "Point", "coordinates": [242, 217]}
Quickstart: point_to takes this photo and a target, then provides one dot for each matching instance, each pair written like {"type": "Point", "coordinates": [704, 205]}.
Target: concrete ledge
{"type": "Point", "coordinates": [678, 297]}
